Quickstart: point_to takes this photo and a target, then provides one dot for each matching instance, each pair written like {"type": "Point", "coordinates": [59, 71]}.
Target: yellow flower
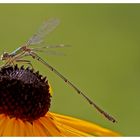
{"type": "Point", "coordinates": [24, 108]}
{"type": "Point", "coordinates": [51, 125]}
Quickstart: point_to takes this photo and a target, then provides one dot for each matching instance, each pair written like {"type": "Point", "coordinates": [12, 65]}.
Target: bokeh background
{"type": "Point", "coordinates": [103, 60]}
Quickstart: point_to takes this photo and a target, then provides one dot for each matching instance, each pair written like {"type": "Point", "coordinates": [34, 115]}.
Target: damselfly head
{"type": "Point", "coordinates": [4, 56]}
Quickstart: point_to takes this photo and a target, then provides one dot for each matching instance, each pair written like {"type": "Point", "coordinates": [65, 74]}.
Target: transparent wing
{"type": "Point", "coordinates": [43, 31]}
{"type": "Point", "coordinates": [44, 45]}
{"type": "Point", "coordinates": [49, 52]}
{"type": "Point", "coordinates": [57, 46]}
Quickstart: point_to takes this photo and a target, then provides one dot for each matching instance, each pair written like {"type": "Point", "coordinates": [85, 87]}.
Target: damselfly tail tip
{"type": "Point", "coordinates": [109, 117]}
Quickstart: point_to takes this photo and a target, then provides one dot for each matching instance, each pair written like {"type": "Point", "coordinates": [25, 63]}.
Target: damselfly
{"type": "Point", "coordinates": [20, 53]}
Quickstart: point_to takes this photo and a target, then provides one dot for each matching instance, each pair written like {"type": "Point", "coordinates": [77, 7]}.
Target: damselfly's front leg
{"type": "Point", "coordinates": [8, 62]}
{"type": "Point", "coordinates": [18, 58]}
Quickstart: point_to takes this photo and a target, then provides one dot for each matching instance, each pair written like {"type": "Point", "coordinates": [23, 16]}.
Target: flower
{"type": "Point", "coordinates": [24, 108]}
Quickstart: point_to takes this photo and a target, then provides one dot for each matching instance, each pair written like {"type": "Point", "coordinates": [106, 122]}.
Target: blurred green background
{"type": "Point", "coordinates": [103, 60]}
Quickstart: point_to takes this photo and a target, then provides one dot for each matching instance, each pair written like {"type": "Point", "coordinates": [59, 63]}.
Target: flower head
{"type": "Point", "coordinates": [24, 108]}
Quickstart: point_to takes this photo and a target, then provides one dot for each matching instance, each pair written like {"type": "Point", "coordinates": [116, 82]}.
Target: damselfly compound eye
{"type": "Point", "coordinates": [1, 57]}
{"type": "Point", "coordinates": [24, 94]}
{"type": "Point", "coordinates": [4, 56]}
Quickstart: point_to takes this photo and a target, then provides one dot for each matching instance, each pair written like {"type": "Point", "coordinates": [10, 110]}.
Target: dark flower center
{"type": "Point", "coordinates": [24, 94]}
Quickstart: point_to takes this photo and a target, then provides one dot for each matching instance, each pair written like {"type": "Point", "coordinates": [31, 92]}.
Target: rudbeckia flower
{"type": "Point", "coordinates": [24, 108]}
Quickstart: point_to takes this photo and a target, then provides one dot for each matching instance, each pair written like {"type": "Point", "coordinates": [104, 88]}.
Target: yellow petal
{"type": "Point", "coordinates": [3, 122]}
{"type": "Point", "coordinates": [8, 127]}
{"type": "Point", "coordinates": [84, 126]}
{"type": "Point", "coordinates": [18, 127]}
{"type": "Point", "coordinates": [69, 131]}
{"type": "Point", "coordinates": [39, 129]}
{"type": "Point", "coordinates": [48, 123]}
{"type": "Point", "coordinates": [28, 129]}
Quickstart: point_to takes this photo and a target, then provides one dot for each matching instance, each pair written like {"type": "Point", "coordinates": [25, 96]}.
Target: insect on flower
{"type": "Point", "coordinates": [20, 53]}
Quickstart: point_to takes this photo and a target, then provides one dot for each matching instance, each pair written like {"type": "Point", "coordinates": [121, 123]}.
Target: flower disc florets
{"type": "Point", "coordinates": [24, 93]}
